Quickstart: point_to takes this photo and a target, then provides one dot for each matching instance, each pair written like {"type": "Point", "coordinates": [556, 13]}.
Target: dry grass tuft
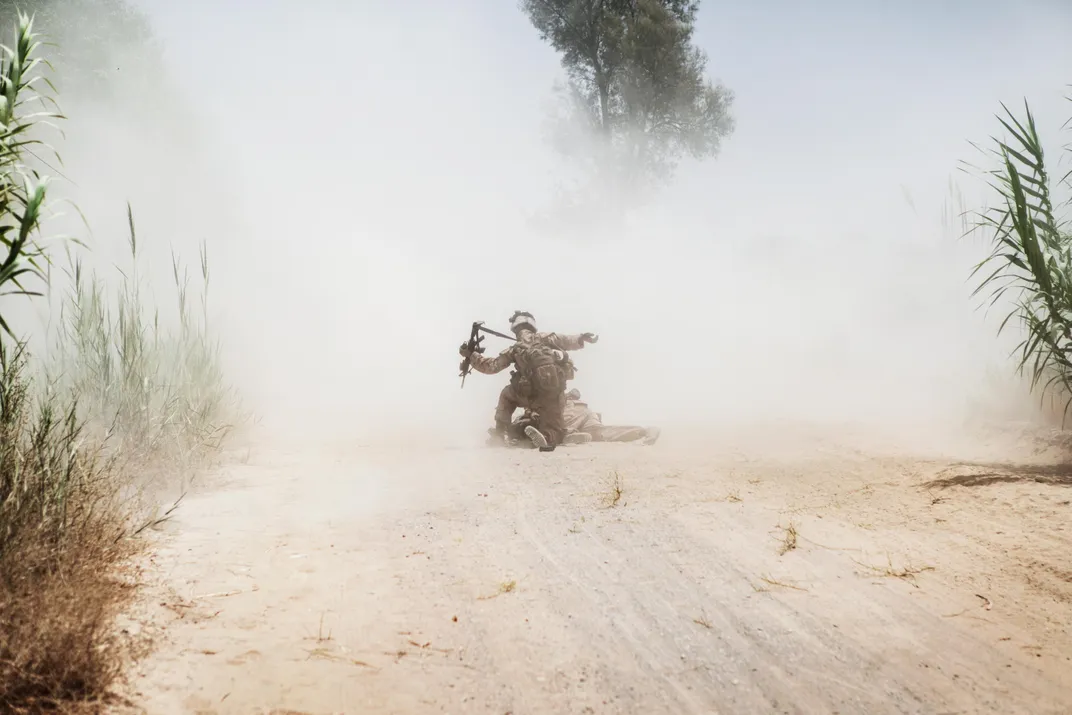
{"type": "Point", "coordinates": [615, 491]}
{"type": "Point", "coordinates": [61, 539]}
{"type": "Point", "coordinates": [504, 587]}
{"type": "Point", "coordinates": [72, 494]}
{"type": "Point", "coordinates": [789, 539]}
{"type": "Point", "coordinates": [905, 573]}
{"type": "Point", "coordinates": [59, 648]}
{"type": "Point", "coordinates": [775, 582]}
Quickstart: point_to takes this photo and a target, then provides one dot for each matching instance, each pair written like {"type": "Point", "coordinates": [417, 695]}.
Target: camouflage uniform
{"type": "Point", "coordinates": [513, 398]}
{"type": "Point", "coordinates": [579, 418]}
{"type": "Point", "coordinates": [510, 400]}
{"type": "Point", "coordinates": [540, 388]}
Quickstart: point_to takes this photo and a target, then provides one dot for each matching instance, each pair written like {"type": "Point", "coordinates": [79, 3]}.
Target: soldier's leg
{"type": "Point", "coordinates": [517, 427]}
{"type": "Point", "coordinates": [552, 424]}
{"type": "Point", "coordinates": [500, 434]}
{"type": "Point", "coordinates": [614, 433]}
{"type": "Point", "coordinates": [509, 401]}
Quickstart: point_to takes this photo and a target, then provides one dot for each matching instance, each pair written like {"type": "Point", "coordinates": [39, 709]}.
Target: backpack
{"type": "Point", "coordinates": [541, 368]}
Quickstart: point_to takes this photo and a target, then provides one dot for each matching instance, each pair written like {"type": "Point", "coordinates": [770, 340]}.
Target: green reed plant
{"type": "Point", "coordinates": [122, 396]}
{"type": "Point", "coordinates": [59, 526]}
{"type": "Point", "coordinates": [25, 105]}
{"type": "Point", "coordinates": [1030, 266]}
{"type": "Point", "coordinates": [152, 384]}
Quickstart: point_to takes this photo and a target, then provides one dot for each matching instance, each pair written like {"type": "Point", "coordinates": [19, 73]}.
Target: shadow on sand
{"type": "Point", "coordinates": [1005, 473]}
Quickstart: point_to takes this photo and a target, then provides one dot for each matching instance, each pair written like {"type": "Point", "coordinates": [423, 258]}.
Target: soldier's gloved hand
{"type": "Point", "coordinates": [589, 338]}
{"type": "Point", "coordinates": [464, 350]}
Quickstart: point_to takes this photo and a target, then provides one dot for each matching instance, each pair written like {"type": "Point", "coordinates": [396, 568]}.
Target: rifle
{"type": "Point", "coordinates": [474, 344]}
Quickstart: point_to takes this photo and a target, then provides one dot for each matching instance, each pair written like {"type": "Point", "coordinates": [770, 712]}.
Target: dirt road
{"type": "Point", "coordinates": [732, 578]}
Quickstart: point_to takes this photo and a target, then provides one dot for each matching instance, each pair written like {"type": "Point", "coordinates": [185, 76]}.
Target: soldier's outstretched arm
{"type": "Point", "coordinates": [571, 342]}
{"type": "Point", "coordinates": [490, 366]}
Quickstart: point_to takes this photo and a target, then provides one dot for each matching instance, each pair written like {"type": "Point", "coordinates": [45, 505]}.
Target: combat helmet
{"type": "Point", "coordinates": [522, 319]}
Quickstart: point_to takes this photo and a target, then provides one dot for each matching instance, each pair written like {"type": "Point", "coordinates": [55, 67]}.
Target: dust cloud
{"type": "Point", "coordinates": [369, 175]}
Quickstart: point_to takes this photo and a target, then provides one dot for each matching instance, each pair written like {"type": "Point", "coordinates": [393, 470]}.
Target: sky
{"type": "Point", "coordinates": [383, 161]}
{"type": "Point", "coordinates": [834, 91]}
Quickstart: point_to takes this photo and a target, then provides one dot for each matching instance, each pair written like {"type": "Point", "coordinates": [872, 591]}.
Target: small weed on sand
{"type": "Point", "coordinates": [615, 491]}
{"type": "Point", "coordinates": [788, 540]}
{"type": "Point", "coordinates": [326, 654]}
{"type": "Point", "coordinates": [504, 587]}
{"type": "Point", "coordinates": [905, 573]}
{"type": "Point", "coordinates": [321, 634]}
{"type": "Point", "coordinates": [781, 584]}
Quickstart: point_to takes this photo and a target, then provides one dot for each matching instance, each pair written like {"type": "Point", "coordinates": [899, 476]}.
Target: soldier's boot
{"type": "Point", "coordinates": [651, 436]}
{"type": "Point", "coordinates": [537, 439]}
{"type": "Point", "coordinates": [577, 438]}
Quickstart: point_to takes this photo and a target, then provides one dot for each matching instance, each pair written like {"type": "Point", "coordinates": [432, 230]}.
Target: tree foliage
{"type": "Point", "coordinates": [636, 81]}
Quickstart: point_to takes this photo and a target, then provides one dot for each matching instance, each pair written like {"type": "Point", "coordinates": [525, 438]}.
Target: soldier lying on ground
{"type": "Point", "coordinates": [580, 420]}
{"type": "Point", "coordinates": [539, 379]}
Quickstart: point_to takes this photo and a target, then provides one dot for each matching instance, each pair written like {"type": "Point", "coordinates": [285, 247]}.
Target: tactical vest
{"type": "Point", "coordinates": [540, 367]}
{"type": "Point", "coordinates": [568, 368]}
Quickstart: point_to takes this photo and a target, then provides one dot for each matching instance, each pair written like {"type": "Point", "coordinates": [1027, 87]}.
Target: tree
{"type": "Point", "coordinates": [636, 84]}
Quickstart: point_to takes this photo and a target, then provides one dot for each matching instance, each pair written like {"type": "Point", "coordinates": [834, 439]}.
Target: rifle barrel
{"type": "Point", "coordinates": [496, 333]}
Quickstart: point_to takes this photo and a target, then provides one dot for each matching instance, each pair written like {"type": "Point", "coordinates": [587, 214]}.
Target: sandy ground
{"type": "Point", "coordinates": [755, 574]}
